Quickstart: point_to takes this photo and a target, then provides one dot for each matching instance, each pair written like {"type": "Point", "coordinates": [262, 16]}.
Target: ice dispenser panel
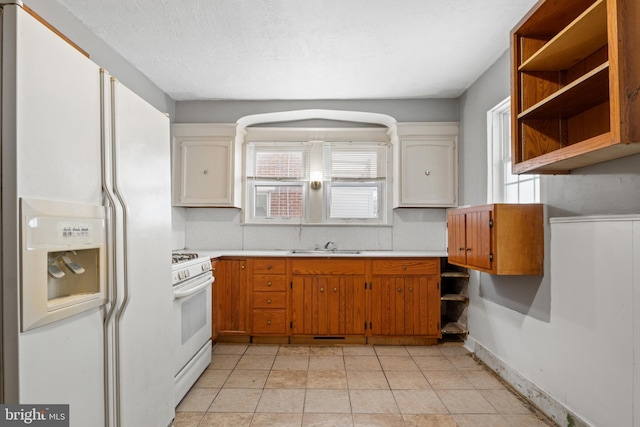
{"type": "Point", "coordinates": [63, 260]}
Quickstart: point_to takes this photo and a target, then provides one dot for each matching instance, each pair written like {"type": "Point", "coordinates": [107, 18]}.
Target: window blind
{"type": "Point", "coordinates": [355, 161]}
{"type": "Point", "coordinates": [278, 161]}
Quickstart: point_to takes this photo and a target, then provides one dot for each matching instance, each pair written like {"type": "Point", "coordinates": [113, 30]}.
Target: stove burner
{"type": "Point", "coordinates": [177, 258]}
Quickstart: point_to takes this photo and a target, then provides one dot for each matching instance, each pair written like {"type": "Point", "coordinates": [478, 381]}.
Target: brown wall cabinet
{"type": "Point", "coordinates": [506, 239]}
{"type": "Point", "coordinates": [575, 84]}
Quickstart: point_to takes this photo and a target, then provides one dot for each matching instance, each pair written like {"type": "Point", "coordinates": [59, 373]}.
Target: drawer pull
{"type": "Point", "coordinates": [269, 301]}
{"type": "Point", "coordinates": [404, 267]}
{"type": "Point", "coordinates": [242, 267]}
{"type": "Point", "coordinates": [399, 289]}
{"type": "Point", "coordinates": [268, 322]}
{"type": "Point", "coordinates": [321, 289]}
{"type": "Point", "coordinates": [269, 284]}
{"type": "Point", "coordinates": [410, 289]}
{"type": "Point", "coordinates": [335, 289]}
{"type": "Point", "coordinates": [269, 267]}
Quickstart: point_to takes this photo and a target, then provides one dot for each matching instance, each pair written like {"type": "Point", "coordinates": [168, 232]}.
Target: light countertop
{"type": "Point", "coordinates": [287, 253]}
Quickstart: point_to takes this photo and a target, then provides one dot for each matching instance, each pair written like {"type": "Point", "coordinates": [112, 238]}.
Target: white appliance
{"type": "Point", "coordinates": [192, 280]}
{"type": "Point", "coordinates": [74, 136]}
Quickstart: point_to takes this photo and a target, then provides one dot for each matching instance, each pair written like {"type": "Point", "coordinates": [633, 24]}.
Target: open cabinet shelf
{"type": "Point", "coordinates": [454, 300]}
{"type": "Point", "coordinates": [575, 76]}
{"type": "Point", "coordinates": [586, 34]}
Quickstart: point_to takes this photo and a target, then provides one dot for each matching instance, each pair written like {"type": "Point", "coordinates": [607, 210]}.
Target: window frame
{"type": "Point", "coordinates": [379, 182]}
{"type": "Point", "coordinates": [315, 209]}
{"type": "Point", "coordinates": [254, 182]}
{"type": "Point", "coordinates": [498, 171]}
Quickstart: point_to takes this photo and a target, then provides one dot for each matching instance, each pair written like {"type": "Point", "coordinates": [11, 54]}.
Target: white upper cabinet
{"type": "Point", "coordinates": [205, 165]}
{"type": "Point", "coordinates": [426, 165]}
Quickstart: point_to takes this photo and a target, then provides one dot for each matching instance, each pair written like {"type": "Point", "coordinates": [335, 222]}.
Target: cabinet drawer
{"type": "Point", "coordinates": [269, 299]}
{"type": "Point", "coordinates": [269, 322]}
{"type": "Point", "coordinates": [265, 282]}
{"type": "Point", "coordinates": [269, 266]}
{"type": "Point", "coordinates": [404, 266]}
{"type": "Point", "coordinates": [328, 266]}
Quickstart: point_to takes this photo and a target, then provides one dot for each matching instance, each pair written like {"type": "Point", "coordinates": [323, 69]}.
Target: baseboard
{"type": "Point", "coordinates": [529, 390]}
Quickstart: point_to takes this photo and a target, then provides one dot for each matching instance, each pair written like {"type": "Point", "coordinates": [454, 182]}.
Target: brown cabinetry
{"type": "Point", "coordinates": [328, 297]}
{"type": "Point", "coordinates": [405, 298]}
{"type": "Point", "coordinates": [497, 238]}
{"type": "Point", "coordinates": [232, 297]}
{"type": "Point", "coordinates": [269, 296]}
{"type": "Point", "coordinates": [575, 83]}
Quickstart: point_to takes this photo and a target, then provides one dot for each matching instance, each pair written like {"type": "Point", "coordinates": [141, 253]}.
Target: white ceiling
{"type": "Point", "coordinates": [306, 49]}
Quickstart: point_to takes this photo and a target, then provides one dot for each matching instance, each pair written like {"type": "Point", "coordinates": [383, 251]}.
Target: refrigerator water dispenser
{"type": "Point", "coordinates": [63, 266]}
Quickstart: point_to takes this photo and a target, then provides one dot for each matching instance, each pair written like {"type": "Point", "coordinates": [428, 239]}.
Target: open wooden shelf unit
{"type": "Point", "coordinates": [575, 84]}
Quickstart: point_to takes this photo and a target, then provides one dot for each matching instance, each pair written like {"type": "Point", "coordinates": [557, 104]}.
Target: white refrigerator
{"type": "Point", "coordinates": [72, 135]}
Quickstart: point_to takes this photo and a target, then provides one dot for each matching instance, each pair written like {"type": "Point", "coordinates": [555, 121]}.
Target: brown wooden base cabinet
{"type": "Point", "coordinates": [300, 298]}
{"type": "Point", "coordinates": [269, 302]}
{"type": "Point", "coordinates": [328, 297]}
{"type": "Point", "coordinates": [232, 291]}
{"type": "Point", "coordinates": [403, 296]}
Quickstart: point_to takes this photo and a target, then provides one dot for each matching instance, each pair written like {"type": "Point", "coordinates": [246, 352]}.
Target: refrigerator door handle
{"type": "Point", "coordinates": [183, 293]}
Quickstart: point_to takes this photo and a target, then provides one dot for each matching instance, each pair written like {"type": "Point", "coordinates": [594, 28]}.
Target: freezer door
{"type": "Point", "coordinates": [50, 149]}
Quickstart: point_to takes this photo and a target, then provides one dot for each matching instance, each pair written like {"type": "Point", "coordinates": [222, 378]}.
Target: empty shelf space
{"type": "Point", "coordinates": [583, 36]}
{"type": "Point", "coordinates": [586, 92]}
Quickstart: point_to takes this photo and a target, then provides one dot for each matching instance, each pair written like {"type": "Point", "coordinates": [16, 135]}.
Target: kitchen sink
{"type": "Point", "coordinates": [324, 251]}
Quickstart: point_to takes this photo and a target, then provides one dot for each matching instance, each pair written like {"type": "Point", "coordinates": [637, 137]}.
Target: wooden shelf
{"type": "Point", "coordinates": [450, 328]}
{"type": "Point", "coordinates": [462, 274]}
{"type": "Point", "coordinates": [578, 40]}
{"type": "Point", "coordinates": [575, 73]}
{"type": "Point", "coordinates": [454, 297]}
{"type": "Point", "coordinates": [588, 91]}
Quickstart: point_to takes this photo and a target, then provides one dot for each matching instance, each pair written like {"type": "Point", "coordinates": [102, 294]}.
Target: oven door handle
{"type": "Point", "coordinates": [183, 293]}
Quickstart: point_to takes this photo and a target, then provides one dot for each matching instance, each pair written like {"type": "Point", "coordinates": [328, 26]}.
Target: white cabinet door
{"type": "Point", "coordinates": [428, 171]}
{"type": "Point", "coordinates": [204, 166]}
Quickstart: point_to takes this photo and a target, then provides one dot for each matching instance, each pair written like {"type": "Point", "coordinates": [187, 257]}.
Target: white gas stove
{"type": "Point", "coordinates": [192, 280]}
{"type": "Point", "coordinates": [188, 265]}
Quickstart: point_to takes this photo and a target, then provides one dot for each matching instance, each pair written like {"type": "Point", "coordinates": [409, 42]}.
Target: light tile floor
{"type": "Point", "coordinates": [281, 385]}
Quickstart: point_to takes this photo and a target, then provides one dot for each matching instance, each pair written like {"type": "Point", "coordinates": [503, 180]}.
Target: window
{"type": "Point", "coordinates": [355, 178]}
{"type": "Point", "coordinates": [502, 185]}
{"type": "Point", "coordinates": [352, 177]}
{"type": "Point", "coordinates": [277, 181]}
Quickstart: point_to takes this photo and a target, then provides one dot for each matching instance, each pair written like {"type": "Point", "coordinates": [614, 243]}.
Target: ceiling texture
{"type": "Point", "coordinates": [305, 49]}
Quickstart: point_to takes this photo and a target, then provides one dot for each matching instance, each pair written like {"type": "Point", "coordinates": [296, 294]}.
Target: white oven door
{"type": "Point", "coordinates": [192, 313]}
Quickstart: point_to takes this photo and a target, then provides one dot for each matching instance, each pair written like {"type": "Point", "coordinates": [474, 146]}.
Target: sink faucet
{"type": "Point", "coordinates": [330, 246]}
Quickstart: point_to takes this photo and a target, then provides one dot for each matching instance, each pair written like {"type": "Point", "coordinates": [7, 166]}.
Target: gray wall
{"type": "Point", "coordinates": [216, 228]}
{"type": "Point", "coordinates": [102, 54]}
{"type": "Point", "coordinates": [503, 308]}
{"type": "Point", "coordinates": [608, 188]}
{"type": "Point", "coordinates": [403, 110]}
